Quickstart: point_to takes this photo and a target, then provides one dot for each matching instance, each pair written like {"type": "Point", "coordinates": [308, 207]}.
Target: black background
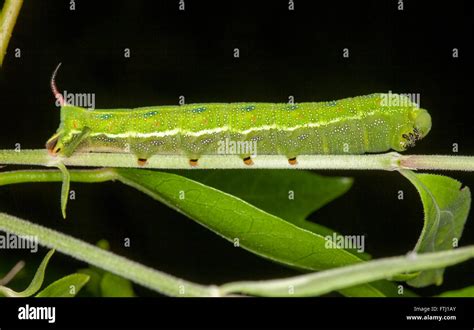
{"type": "Point", "coordinates": [190, 53]}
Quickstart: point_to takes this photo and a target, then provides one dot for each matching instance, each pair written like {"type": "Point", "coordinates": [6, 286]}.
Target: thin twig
{"type": "Point", "coordinates": [388, 161]}
{"type": "Point", "coordinates": [12, 273]}
{"type": "Point", "coordinates": [8, 17]}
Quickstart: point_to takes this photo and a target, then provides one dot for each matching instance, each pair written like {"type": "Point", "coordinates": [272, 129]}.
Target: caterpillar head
{"type": "Point", "coordinates": [421, 120]}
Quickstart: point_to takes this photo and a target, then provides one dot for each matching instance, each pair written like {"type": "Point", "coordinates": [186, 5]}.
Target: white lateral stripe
{"type": "Point", "coordinates": [216, 130]}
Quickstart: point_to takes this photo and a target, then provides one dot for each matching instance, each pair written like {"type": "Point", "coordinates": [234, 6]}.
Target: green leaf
{"type": "Point", "coordinates": [446, 207]}
{"type": "Point", "coordinates": [35, 284]}
{"type": "Point", "coordinates": [65, 287]}
{"type": "Point", "coordinates": [236, 220]}
{"type": "Point", "coordinates": [103, 244]}
{"type": "Point", "coordinates": [112, 285]}
{"type": "Point", "coordinates": [464, 292]}
{"type": "Point", "coordinates": [323, 282]}
{"type": "Point", "coordinates": [64, 188]}
{"type": "Point", "coordinates": [295, 194]}
{"type": "Point", "coordinates": [92, 287]}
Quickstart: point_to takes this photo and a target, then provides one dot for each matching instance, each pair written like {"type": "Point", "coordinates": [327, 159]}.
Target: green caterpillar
{"type": "Point", "coordinates": [363, 124]}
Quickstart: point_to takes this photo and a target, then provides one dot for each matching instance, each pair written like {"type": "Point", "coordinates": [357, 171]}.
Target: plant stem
{"type": "Point", "coordinates": [437, 162]}
{"type": "Point", "coordinates": [8, 16]}
{"type": "Point", "coordinates": [315, 284]}
{"type": "Point", "coordinates": [24, 176]}
{"type": "Point", "coordinates": [109, 261]}
{"type": "Point", "coordinates": [388, 161]}
{"type": "Point", "coordinates": [12, 273]}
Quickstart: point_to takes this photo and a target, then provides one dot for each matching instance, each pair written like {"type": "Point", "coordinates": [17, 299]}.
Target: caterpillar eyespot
{"type": "Point", "coordinates": [356, 125]}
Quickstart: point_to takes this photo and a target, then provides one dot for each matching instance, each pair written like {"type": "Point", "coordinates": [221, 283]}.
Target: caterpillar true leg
{"type": "Point", "coordinates": [248, 161]}
{"type": "Point", "coordinates": [54, 147]}
{"type": "Point", "coordinates": [193, 162]}
{"type": "Point", "coordinates": [76, 140]}
{"type": "Point", "coordinates": [142, 161]}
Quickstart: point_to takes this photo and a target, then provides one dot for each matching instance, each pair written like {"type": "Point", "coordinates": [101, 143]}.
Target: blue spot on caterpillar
{"type": "Point", "coordinates": [249, 108]}
{"type": "Point", "coordinates": [198, 110]}
{"type": "Point", "coordinates": [104, 116]}
{"type": "Point", "coordinates": [150, 114]}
